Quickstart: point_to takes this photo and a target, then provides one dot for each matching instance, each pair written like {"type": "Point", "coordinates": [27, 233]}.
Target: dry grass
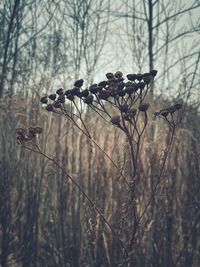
{"type": "Point", "coordinates": [45, 221]}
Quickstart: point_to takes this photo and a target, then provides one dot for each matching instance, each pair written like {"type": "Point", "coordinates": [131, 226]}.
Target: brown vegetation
{"type": "Point", "coordinates": [45, 220]}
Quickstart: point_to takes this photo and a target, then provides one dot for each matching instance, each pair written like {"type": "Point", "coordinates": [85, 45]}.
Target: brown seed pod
{"type": "Point", "coordinates": [115, 120]}
{"type": "Point", "coordinates": [79, 83]}
{"type": "Point", "coordinates": [121, 93]}
{"type": "Point", "coordinates": [164, 113]}
{"type": "Point", "coordinates": [20, 131]}
{"type": "Point", "coordinates": [120, 86]}
{"type": "Point", "coordinates": [75, 91]}
{"type": "Point", "coordinates": [89, 99]}
{"type": "Point", "coordinates": [60, 91]}
{"type": "Point", "coordinates": [61, 99]}
{"type": "Point", "coordinates": [70, 97]}
{"type": "Point", "coordinates": [103, 95]}
{"type": "Point", "coordinates": [110, 75]}
{"type": "Point", "coordinates": [130, 89]}
{"type": "Point", "coordinates": [68, 92]}
{"type": "Point", "coordinates": [94, 88]}
{"type": "Point", "coordinates": [44, 100]}
{"type": "Point", "coordinates": [52, 96]}
{"type": "Point", "coordinates": [127, 84]}
{"type": "Point", "coordinates": [112, 81]}
{"type": "Point", "coordinates": [85, 93]}
{"type": "Point", "coordinates": [123, 108]}
{"type": "Point", "coordinates": [57, 104]}
{"type": "Point", "coordinates": [49, 107]}
{"type": "Point", "coordinates": [32, 130]}
{"type": "Point", "coordinates": [139, 77]}
{"type": "Point", "coordinates": [153, 73]}
{"type": "Point", "coordinates": [131, 77]}
{"type": "Point", "coordinates": [143, 107]}
{"type": "Point", "coordinates": [21, 138]}
{"type": "Point", "coordinates": [31, 133]}
{"type": "Point", "coordinates": [146, 74]}
{"type": "Point", "coordinates": [147, 79]}
{"type": "Point", "coordinates": [118, 74]}
{"type": "Point", "coordinates": [103, 83]}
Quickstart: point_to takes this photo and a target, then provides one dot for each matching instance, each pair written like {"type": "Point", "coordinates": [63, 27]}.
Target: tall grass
{"type": "Point", "coordinates": [46, 221]}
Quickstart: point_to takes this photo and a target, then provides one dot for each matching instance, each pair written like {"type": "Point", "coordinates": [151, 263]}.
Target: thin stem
{"type": "Point", "coordinates": [79, 188]}
{"type": "Point", "coordinates": [159, 177]}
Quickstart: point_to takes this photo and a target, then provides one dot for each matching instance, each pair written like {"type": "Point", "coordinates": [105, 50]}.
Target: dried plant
{"type": "Point", "coordinates": [121, 102]}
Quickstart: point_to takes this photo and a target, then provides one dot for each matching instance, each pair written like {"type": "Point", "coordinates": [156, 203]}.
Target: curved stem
{"type": "Point", "coordinates": [79, 188]}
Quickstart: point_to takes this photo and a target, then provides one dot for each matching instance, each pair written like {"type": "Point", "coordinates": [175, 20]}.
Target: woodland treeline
{"type": "Point", "coordinates": [44, 219]}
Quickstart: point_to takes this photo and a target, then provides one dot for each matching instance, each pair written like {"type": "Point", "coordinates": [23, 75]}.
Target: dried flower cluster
{"type": "Point", "coordinates": [25, 135]}
{"type": "Point", "coordinates": [124, 97]}
{"type": "Point", "coordinates": [168, 114]}
{"type": "Point", "coordinates": [169, 110]}
{"type": "Point", "coordinates": [120, 92]}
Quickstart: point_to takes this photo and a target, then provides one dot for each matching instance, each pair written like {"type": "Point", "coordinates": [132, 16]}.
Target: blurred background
{"type": "Point", "coordinates": [49, 44]}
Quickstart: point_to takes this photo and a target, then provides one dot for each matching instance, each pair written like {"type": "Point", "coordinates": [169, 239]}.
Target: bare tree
{"type": "Point", "coordinates": [162, 34]}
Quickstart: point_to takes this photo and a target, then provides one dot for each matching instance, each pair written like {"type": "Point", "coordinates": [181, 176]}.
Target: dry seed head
{"type": "Point", "coordinates": [171, 109]}
{"type": "Point", "coordinates": [21, 138]}
{"type": "Point", "coordinates": [94, 88]}
{"type": "Point", "coordinates": [121, 93]}
{"type": "Point", "coordinates": [49, 107]}
{"type": "Point", "coordinates": [61, 99]}
{"type": "Point", "coordinates": [118, 74]}
{"type": "Point", "coordinates": [70, 97]}
{"type": "Point", "coordinates": [68, 92]}
{"type": "Point", "coordinates": [44, 100]}
{"type": "Point", "coordinates": [60, 91]}
{"type": "Point", "coordinates": [139, 77]}
{"type": "Point", "coordinates": [115, 120]}
{"type": "Point", "coordinates": [52, 96]}
{"type": "Point", "coordinates": [131, 77]}
{"type": "Point", "coordinates": [103, 95]}
{"type": "Point", "coordinates": [147, 79]}
{"type": "Point", "coordinates": [143, 107]}
{"type": "Point", "coordinates": [110, 75]}
{"type": "Point", "coordinates": [57, 104]}
{"type": "Point", "coordinates": [164, 113]}
{"type": "Point", "coordinates": [89, 99]}
{"type": "Point", "coordinates": [32, 130]}
{"type": "Point", "coordinates": [123, 108]}
{"type": "Point", "coordinates": [85, 93]}
{"type": "Point", "coordinates": [31, 133]}
{"type": "Point", "coordinates": [75, 90]}
{"type": "Point", "coordinates": [20, 131]}
{"type": "Point", "coordinates": [79, 83]}
{"type": "Point", "coordinates": [146, 74]}
{"type": "Point", "coordinates": [103, 83]}
{"type": "Point", "coordinates": [153, 72]}
{"type": "Point", "coordinates": [120, 86]}
{"type": "Point", "coordinates": [141, 85]}
{"type": "Point", "coordinates": [130, 89]}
